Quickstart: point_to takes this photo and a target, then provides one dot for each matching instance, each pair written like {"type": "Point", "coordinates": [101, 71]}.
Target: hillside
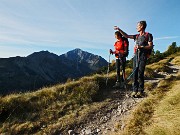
{"type": "Point", "coordinates": [159, 112]}
{"type": "Point", "coordinates": [20, 74]}
{"type": "Point", "coordinates": [88, 106]}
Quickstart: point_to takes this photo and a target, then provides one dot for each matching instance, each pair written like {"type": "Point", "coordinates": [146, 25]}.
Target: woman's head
{"type": "Point", "coordinates": [118, 35]}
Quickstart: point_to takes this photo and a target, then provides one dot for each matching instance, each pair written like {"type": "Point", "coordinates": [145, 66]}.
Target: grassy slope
{"type": "Point", "coordinates": [166, 117]}
{"type": "Point", "coordinates": [54, 109]}
{"type": "Point", "coordinates": [159, 113]}
{"type": "Point", "coordinates": [142, 119]}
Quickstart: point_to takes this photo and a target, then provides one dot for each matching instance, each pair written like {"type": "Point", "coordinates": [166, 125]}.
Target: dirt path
{"type": "Point", "coordinates": [110, 119]}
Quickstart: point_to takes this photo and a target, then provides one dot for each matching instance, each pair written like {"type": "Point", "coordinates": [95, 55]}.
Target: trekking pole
{"type": "Point", "coordinates": [132, 72]}
{"type": "Point", "coordinates": [108, 70]}
{"type": "Point", "coordinates": [125, 81]}
{"type": "Point", "coordinates": [137, 60]}
{"type": "Point", "coordinates": [136, 57]}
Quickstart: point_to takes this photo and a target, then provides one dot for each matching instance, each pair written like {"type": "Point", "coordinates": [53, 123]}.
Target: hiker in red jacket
{"type": "Point", "coordinates": [120, 52]}
{"type": "Point", "coordinates": [144, 43]}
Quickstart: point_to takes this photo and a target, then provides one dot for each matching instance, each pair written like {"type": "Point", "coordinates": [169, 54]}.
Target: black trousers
{"type": "Point", "coordinates": [138, 77]}
{"type": "Point", "coordinates": [120, 63]}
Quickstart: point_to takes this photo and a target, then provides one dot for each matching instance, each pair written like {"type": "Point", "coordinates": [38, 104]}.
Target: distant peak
{"type": "Point", "coordinates": [77, 50]}
{"type": "Point", "coordinates": [41, 53]}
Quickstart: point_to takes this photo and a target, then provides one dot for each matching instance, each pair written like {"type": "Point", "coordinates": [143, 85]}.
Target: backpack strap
{"type": "Point", "coordinates": [146, 36]}
{"type": "Point", "coordinates": [137, 36]}
{"type": "Point", "coordinates": [123, 42]}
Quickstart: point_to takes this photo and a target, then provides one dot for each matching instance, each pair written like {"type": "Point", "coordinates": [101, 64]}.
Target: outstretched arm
{"type": "Point", "coordinates": [123, 33]}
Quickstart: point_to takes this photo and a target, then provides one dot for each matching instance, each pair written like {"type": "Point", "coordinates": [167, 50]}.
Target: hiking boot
{"type": "Point", "coordinates": [122, 85]}
{"type": "Point", "coordinates": [133, 94]}
{"type": "Point", "coordinates": [139, 95]}
{"type": "Point", "coordinates": [118, 85]}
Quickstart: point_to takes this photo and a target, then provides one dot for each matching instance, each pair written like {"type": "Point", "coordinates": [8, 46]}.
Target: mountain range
{"type": "Point", "coordinates": [39, 69]}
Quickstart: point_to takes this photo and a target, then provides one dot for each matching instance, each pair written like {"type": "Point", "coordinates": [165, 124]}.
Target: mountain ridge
{"type": "Point", "coordinates": [45, 68]}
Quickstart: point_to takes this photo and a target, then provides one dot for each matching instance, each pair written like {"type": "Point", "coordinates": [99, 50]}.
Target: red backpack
{"type": "Point", "coordinates": [148, 51]}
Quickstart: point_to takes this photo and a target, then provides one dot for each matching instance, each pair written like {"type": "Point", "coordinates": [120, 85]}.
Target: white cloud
{"type": "Point", "coordinates": [168, 37]}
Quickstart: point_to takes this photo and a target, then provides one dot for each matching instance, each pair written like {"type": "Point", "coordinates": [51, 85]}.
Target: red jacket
{"type": "Point", "coordinates": [120, 46]}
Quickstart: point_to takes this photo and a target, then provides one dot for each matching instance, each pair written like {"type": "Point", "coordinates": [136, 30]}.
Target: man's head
{"type": "Point", "coordinates": [118, 35]}
{"type": "Point", "coordinates": [141, 25]}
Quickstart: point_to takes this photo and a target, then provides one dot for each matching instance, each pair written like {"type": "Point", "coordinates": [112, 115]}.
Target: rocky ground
{"type": "Point", "coordinates": [109, 119]}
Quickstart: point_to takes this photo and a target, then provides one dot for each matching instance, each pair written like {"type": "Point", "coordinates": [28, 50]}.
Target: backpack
{"type": "Point", "coordinates": [126, 40]}
{"type": "Point", "coordinates": [148, 51]}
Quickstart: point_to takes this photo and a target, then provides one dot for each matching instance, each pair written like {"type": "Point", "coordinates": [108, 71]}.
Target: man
{"type": "Point", "coordinates": [143, 45]}
{"type": "Point", "coordinates": [120, 51]}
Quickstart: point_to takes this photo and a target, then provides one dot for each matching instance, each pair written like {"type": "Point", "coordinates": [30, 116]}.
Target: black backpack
{"type": "Point", "coordinates": [149, 51]}
{"type": "Point", "coordinates": [126, 40]}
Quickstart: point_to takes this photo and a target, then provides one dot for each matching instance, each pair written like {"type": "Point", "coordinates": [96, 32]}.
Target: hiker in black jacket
{"type": "Point", "coordinates": [144, 44]}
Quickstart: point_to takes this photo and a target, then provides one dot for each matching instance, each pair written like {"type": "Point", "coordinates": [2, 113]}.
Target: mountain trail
{"type": "Point", "coordinates": [110, 118]}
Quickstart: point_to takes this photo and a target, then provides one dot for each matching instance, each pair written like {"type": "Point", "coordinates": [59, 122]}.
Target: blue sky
{"type": "Point", "coordinates": [28, 26]}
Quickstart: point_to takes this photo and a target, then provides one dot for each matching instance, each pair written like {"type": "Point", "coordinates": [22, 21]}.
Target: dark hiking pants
{"type": "Point", "coordinates": [120, 63]}
{"type": "Point", "coordinates": [138, 85]}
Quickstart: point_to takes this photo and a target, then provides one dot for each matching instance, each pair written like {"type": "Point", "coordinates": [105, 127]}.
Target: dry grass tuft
{"type": "Point", "coordinates": [149, 73]}
{"type": "Point", "coordinates": [166, 118]}
{"type": "Point", "coordinates": [176, 60]}
{"type": "Point", "coordinates": [161, 66]}
{"type": "Point", "coordinates": [150, 86]}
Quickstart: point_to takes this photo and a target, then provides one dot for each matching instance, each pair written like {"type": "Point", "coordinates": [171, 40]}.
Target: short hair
{"type": "Point", "coordinates": [118, 34]}
{"type": "Point", "coordinates": [143, 23]}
